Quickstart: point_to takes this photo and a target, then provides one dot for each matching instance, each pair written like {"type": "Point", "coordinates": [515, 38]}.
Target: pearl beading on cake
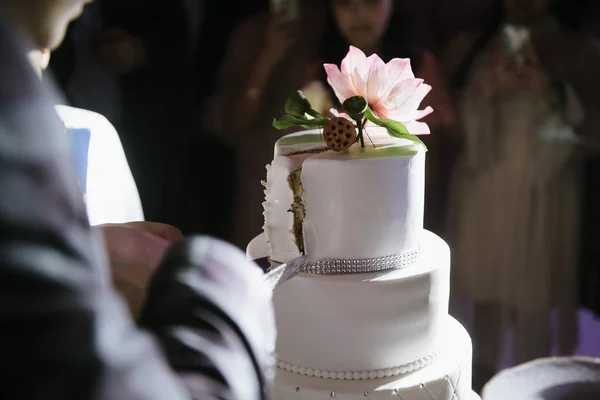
{"type": "Point", "coordinates": [360, 375]}
{"type": "Point", "coordinates": [452, 383]}
{"type": "Point", "coordinates": [363, 265]}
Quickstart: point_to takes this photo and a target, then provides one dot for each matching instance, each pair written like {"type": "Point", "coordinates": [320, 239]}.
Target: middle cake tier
{"type": "Point", "coordinates": [364, 323]}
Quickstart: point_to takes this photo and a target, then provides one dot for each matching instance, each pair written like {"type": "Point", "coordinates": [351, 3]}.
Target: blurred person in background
{"type": "Point", "coordinates": [590, 276]}
{"type": "Point", "coordinates": [60, 314]}
{"type": "Point", "coordinates": [267, 58]}
{"type": "Point", "coordinates": [77, 71]}
{"type": "Point", "coordinates": [147, 45]}
{"type": "Point", "coordinates": [584, 18]}
{"type": "Point", "coordinates": [470, 32]}
{"type": "Point", "coordinates": [87, 83]}
{"type": "Point", "coordinates": [96, 74]}
{"type": "Point", "coordinates": [384, 27]}
{"type": "Point", "coordinates": [516, 207]}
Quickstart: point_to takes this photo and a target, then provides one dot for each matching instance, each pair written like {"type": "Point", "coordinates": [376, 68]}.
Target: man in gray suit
{"type": "Point", "coordinates": [208, 318]}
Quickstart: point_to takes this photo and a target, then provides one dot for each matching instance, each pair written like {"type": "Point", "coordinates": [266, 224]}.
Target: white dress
{"type": "Point", "coordinates": [514, 219]}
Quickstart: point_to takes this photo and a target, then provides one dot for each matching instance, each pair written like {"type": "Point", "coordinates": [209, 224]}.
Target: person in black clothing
{"type": "Point", "coordinates": [65, 334]}
{"type": "Point", "coordinates": [147, 45]}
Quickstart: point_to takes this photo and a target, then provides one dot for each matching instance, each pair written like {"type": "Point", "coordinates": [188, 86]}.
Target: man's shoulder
{"type": "Point", "coordinates": [74, 118]}
{"type": "Point", "coordinates": [104, 173]}
{"type": "Point", "coordinates": [101, 131]}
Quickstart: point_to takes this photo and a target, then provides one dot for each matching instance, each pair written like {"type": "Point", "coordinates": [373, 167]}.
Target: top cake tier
{"type": "Point", "coordinates": [361, 206]}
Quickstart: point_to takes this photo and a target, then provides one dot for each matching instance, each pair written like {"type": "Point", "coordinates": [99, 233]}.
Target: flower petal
{"type": "Point", "coordinates": [366, 77]}
{"type": "Point", "coordinates": [391, 89]}
{"type": "Point", "coordinates": [354, 58]}
{"type": "Point", "coordinates": [401, 116]}
{"type": "Point", "coordinates": [417, 128]}
{"type": "Point", "coordinates": [340, 83]}
{"type": "Point", "coordinates": [401, 93]}
{"type": "Point", "coordinates": [418, 114]}
{"type": "Point", "coordinates": [377, 84]}
{"type": "Point", "coordinates": [404, 111]}
{"type": "Point", "coordinates": [387, 78]}
{"type": "Point", "coordinates": [336, 113]}
{"type": "Point", "coordinates": [399, 69]}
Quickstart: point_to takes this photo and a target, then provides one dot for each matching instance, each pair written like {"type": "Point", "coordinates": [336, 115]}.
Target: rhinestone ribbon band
{"type": "Point", "coordinates": [363, 265]}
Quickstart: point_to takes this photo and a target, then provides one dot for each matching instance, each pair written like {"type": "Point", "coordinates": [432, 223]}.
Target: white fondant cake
{"type": "Point", "coordinates": [448, 377]}
{"type": "Point", "coordinates": [361, 203]}
{"type": "Point", "coordinates": [362, 318]}
{"type": "Point", "coordinates": [368, 318]}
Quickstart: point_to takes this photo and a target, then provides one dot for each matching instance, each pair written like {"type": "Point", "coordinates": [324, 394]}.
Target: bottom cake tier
{"type": "Point", "coordinates": [448, 377]}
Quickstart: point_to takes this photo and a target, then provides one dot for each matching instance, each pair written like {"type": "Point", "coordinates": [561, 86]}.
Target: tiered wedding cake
{"type": "Point", "coordinates": [368, 319]}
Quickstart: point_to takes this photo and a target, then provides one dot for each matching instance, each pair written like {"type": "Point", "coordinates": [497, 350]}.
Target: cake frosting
{"type": "Point", "coordinates": [362, 318]}
{"type": "Point", "coordinates": [367, 318]}
{"type": "Point", "coordinates": [362, 203]}
{"type": "Point", "coordinates": [447, 377]}
{"type": "Point", "coordinates": [443, 374]}
{"type": "Point", "coordinates": [384, 332]}
{"type": "Point", "coordinates": [360, 334]}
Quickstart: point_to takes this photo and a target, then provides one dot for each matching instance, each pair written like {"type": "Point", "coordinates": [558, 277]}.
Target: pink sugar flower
{"type": "Point", "coordinates": [391, 89]}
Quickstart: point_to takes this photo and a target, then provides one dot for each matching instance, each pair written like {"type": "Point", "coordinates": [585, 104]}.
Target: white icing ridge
{"type": "Point", "coordinates": [360, 375]}
{"type": "Point", "coordinates": [279, 221]}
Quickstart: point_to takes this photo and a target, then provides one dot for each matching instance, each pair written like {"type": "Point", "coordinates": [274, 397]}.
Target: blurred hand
{"type": "Point", "coordinates": [281, 35]}
{"type": "Point", "coordinates": [135, 249]}
{"type": "Point", "coordinates": [119, 51]}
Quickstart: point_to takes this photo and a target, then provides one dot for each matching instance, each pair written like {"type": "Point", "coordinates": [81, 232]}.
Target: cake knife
{"type": "Point", "coordinates": [285, 272]}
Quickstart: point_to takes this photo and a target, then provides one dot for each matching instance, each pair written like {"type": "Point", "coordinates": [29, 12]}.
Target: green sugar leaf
{"type": "Point", "coordinates": [289, 121]}
{"type": "Point", "coordinates": [394, 128]}
{"type": "Point", "coordinates": [297, 105]}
